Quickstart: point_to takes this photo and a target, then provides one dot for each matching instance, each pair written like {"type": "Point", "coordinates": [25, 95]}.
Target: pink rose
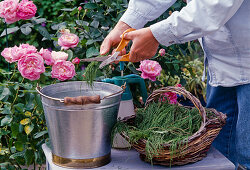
{"type": "Point", "coordinates": [171, 97]}
{"type": "Point", "coordinates": [57, 56]}
{"type": "Point", "coordinates": [26, 9]}
{"type": "Point", "coordinates": [178, 85]}
{"type": "Point", "coordinates": [23, 49]}
{"type": "Point", "coordinates": [6, 53]}
{"type": "Point", "coordinates": [63, 70]}
{"type": "Point", "coordinates": [150, 69]}
{"type": "Point", "coordinates": [162, 52]}
{"type": "Point", "coordinates": [46, 54]}
{"type": "Point", "coordinates": [8, 9]}
{"type": "Point", "coordinates": [76, 60]}
{"type": "Point", "coordinates": [68, 40]}
{"type": "Point", "coordinates": [79, 8]}
{"type": "Point", "coordinates": [31, 66]}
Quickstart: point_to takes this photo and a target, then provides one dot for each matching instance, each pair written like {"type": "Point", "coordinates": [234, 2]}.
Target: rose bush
{"type": "Point", "coordinates": [31, 62]}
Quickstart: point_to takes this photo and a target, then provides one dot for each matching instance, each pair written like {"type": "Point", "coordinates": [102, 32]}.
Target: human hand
{"type": "Point", "coordinates": [144, 44]}
{"type": "Point", "coordinates": [113, 38]}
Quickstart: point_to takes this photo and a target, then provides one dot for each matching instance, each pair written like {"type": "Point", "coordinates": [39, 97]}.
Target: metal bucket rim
{"type": "Point", "coordinates": [58, 84]}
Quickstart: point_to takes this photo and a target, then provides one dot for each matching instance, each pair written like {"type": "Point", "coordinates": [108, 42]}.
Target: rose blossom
{"type": "Point", "coordinates": [6, 53]}
{"type": "Point", "coordinates": [162, 52]}
{"type": "Point", "coordinates": [63, 70]}
{"type": "Point", "coordinates": [178, 85]}
{"type": "Point", "coordinates": [79, 8]}
{"type": "Point", "coordinates": [23, 49]}
{"type": "Point", "coordinates": [31, 66]}
{"type": "Point", "coordinates": [150, 69]}
{"type": "Point", "coordinates": [171, 97]}
{"type": "Point", "coordinates": [8, 10]}
{"type": "Point", "coordinates": [68, 40]}
{"type": "Point", "coordinates": [76, 60]}
{"type": "Point", "coordinates": [46, 54]}
{"type": "Point", "coordinates": [26, 9]}
{"type": "Point", "coordinates": [56, 56]}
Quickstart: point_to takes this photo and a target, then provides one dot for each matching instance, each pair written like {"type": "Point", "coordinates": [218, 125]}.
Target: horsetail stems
{"type": "Point", "coordinates": [90, 72]}
{"type": "Point", "coordinates": [162, 123]}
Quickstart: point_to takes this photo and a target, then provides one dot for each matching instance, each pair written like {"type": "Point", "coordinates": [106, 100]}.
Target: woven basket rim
{"type": "Point", "coordinates": [194, 100]}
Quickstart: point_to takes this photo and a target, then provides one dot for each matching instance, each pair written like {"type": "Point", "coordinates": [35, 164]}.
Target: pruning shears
{"type": "Point", "coordinates": [115, 56]}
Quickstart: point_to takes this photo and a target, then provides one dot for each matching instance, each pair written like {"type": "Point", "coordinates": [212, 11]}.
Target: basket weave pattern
{"type": "Point", "coordinates": [197, 145]}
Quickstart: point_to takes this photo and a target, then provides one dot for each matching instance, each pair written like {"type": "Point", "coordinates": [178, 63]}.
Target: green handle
{"type": "Point", "coordinates": [129, 79]}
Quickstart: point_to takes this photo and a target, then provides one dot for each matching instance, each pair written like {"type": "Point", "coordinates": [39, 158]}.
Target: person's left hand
{"type": "Point", "coordinates": [144, 44]}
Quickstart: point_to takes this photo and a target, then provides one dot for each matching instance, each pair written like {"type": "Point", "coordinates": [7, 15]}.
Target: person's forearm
{"type": "Point", "coordinates": [140, 12]}
{"type": "Point", "coordinates": [199, 18]}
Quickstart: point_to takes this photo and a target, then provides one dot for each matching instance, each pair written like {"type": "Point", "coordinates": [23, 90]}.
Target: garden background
{"type": "Point", "coordinates": [22, 122]}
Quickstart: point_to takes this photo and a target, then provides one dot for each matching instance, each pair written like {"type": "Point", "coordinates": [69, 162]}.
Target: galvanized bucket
{"type": "Point", "coordinates": [79, 130]}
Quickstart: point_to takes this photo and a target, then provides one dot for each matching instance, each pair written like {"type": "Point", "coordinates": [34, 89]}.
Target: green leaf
{"type": "Point", "coordinates": [177, 5]}
{"type": "Point", "coordinates": [70, 53]}
{"type": "Point", "coordinates": [176, 67]}
{"type": "Point", "coordinates": [30, 101]}
{"type": "Point", "coordinates": [28, 129]}
{"type": "Point", "coordinates": [59, 26]}
{"type": "Point", "coordinates": [74, 11]}
{"type": "Point", "coordinates": [18, 145]}
{"type": "Point", "coordinates": [132, 68]}
{"type": "Point", "coordinates": [67, 9]}
{"type": "Point", "coordinates": [92, 52]}
{"type": "Point", "coordinates": [29, 156]}
{"type": "Point", "coordinates": [28, 86]}
{"type": "Point", "coordinates": [38, 20]}
{"type": "Point", "coordinates": [82, 23]}
{"type": "Point", "coordinates": [94, 24]}
{"type": "Point", "coordinates": [14, 129]}
{"type": "Point", "coordinates": [89, 42]}
{"type": "Point", "coordinates": [39, 134]}
{"type": "Point", "coordinates": [17, 154]}
{"type": "Point", "coordinates": [19, 107]}
{"type": "Point", "coordinates": [90, 6]}
{"type": "Point", "coordinates": [44, 32]}
{"type": "Point", "coordinates": [26, 30]}
{"type": "Point", "coordinates": [3, 132]}
{"type": "Point", "coordinates": [9, 31]}
{"type": "Point", "coordinates": [6, 120]}
{"type": "Point", "coordinates": [25, 121]}
{"type": "Point", "coordinates": [27, 113]}
{"type": "Point", "coordinates": [6, 110]}
{"type": "Point", "coordinates": [4, 92]}
{"type": "Point", "coordinates": [21, 137]}
{"type": "Point", "coordinates": [107, 2]}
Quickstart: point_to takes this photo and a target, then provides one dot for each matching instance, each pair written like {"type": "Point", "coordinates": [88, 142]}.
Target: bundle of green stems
{"type": "Point", "coordinates": [161, 123]}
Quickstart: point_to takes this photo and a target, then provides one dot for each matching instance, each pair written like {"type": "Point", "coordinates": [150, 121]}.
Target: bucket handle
{"type": "Point", "coordinates": [80, 100]}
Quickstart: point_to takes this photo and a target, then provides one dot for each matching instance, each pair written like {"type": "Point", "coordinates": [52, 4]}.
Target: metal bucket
{"type": "Point", "coordinates": [80, 134]}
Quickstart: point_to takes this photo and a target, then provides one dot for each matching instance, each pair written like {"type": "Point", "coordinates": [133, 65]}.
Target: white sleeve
{"type": "Point", "coordinates": [140, 12]}
{"type": "Point", "coordinates": [197, 19]}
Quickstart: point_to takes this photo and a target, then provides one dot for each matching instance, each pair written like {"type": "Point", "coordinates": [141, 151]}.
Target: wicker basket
{"type": "Point", "coordinates": [197, 145]}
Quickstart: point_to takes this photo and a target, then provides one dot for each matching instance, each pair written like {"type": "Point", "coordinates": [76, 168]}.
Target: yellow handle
{"type": "Point", "coordinates": [123, 44]}
{"type": "Point", "coordinates": [125, 57]}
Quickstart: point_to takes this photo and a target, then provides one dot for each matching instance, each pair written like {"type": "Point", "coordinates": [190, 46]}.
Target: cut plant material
{"type": "Point", "coordinates": [171, 134]}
